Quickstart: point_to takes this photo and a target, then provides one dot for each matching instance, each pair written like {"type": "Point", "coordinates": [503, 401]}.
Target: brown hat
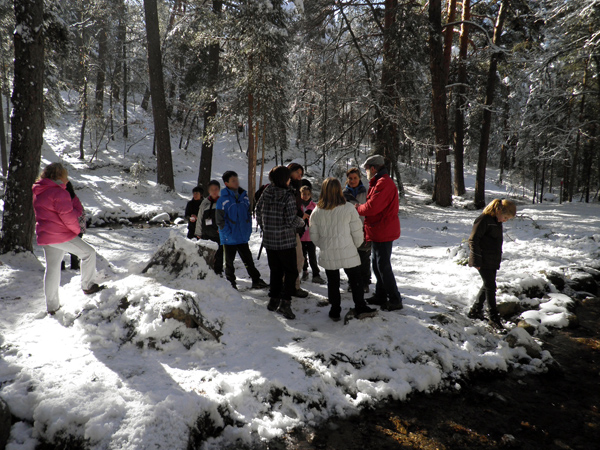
{"type": "Point", "coordinates": [375, 160]}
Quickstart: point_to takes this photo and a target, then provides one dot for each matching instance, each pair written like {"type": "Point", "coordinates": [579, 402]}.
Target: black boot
{"type": "Point", "coordinates": [285, 309]}
{"type": "Point", "coordinates": [376, 300]}
{"type": "Point", "coordinates": [334, 313]}
{"type": "Point", "coordinates": [475, 313]}
{"type": "Point", "coordinates": [495, 321]}
{"type": "Point", "coordinates": [273, 304]}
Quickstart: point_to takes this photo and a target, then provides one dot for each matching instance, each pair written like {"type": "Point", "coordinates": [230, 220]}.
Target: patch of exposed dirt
{"type": "Point", "coordinates": [556, 410]}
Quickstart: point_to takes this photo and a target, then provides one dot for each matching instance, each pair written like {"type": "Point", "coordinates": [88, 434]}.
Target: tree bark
{"type": "Point", "coordinates": [123, 39]}
{"type": "Point", "coordinates": [442, 192]}
{"type": "Point", "coordinates": [159, 103]}
{"type": "Point", "coordinates": [251, 151]}
{"type": "Point", "coordinates": [3, 150]}
{"type": "Point", "coordinates": [101, 75]}
{"type": "Point", "coordinates": [448, 38]}
{"type": "Point", "coordinates": [27, 126]}
{"type": "Point", "coordinates": [487, 111]}
{"type": "Point", "coordinates": [461, 102]}
{"type": "Point", "coordinates": [210, 108]}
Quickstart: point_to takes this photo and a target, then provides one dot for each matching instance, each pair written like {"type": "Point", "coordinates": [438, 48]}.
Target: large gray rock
{"type": "Point", "coordinates": [508, 309]}
{"type": "Point", "coordinates": [518, 337]}
{"type": "Point", "coordinates": [5, 423]}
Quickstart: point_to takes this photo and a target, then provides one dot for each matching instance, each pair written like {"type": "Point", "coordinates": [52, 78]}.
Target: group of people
{"type": "Point", "coordinates": [353, 226]}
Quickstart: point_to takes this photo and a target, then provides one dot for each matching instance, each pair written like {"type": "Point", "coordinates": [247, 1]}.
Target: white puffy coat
{"type": "Point", "coordinates": [337, 232]}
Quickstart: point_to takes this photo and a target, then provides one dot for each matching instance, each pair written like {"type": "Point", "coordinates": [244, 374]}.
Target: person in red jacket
{"type": "Point", "coordinates": [57, 228]}
{"type": "Point", "coordinates": [382, 227]}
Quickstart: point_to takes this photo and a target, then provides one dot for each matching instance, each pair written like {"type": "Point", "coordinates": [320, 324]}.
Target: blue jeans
{"type": "Point", "coordinates": [382, 268]}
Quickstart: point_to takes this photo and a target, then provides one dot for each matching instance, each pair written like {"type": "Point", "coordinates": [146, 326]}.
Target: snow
{"type": "Point", "coordinates": [118, 374]}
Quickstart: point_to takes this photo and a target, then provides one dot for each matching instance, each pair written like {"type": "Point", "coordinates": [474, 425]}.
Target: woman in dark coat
{"type": "Point", "coordinates": [485, 243]}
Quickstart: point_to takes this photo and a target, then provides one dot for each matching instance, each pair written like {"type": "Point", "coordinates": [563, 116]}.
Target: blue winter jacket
{"type": "Point", "coordinates": [233, 217]}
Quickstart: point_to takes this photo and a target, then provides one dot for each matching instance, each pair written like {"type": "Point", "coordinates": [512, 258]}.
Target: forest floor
{"type": "Point", "coordinates": [116, 370]}
{"type": "Point", "coordinates": [559, 409]}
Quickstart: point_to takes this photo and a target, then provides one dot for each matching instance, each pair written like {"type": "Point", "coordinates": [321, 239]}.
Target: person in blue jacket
{"type": "Point", "coordinates": [235, 226]}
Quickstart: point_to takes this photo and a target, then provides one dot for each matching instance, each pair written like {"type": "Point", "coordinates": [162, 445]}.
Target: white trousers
{"type": "Point", "coordinates": [54, 256]}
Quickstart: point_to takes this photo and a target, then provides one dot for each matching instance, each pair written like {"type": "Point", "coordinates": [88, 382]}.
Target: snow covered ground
{"type": "Point", "coordinates": [111, 373]}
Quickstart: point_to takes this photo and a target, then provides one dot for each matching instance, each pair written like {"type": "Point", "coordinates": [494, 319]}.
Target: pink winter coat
{"type": "Point", "coordinates": [56, 214]}
{"type": "Point", "coordinates": [308, 208]}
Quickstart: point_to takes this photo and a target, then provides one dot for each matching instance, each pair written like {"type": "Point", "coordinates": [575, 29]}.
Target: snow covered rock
{"type": "Point", "coordinates": [160, 218]}
{"type": "Point", "coordinates": [180, 257]}
{"type": "Point", "coordinates": [508, 309]}
{"type": "Point", "coordinates": [518, 337]}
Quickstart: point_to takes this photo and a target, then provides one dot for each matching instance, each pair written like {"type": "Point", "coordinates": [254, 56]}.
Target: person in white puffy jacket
{"type": "Point", "coordinates": [336, 228]}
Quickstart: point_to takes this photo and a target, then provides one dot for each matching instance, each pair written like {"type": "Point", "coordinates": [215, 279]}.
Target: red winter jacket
{"type": "Point", "coordinates": [381, 209]}
{"type": "Point", "coordinates": [56, 215]}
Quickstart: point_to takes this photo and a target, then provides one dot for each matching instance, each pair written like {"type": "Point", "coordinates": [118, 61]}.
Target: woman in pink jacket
{"type": "Point", "coordinates": [57, 229]}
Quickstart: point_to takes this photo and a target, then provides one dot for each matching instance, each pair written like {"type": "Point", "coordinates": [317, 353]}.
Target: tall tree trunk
{"type": "Point", "coordinates": [159, 104]}
{"type": "Point", "coordinates": [3, 150]}
{"type": "Point", "coordinates": [84, 112]}
{"type": "Point", "coordinates": [123, 40]}
{"type": "Point", "coordinates": [487, 111]}
{"type": "Point", "coordinates": [461, 102]}
{"type": "Point", "coordinates": [101, 75]}
{"type": "Point", "coordinates": [210, 108]}
{"type": "Point", "coordinates": [27, 127]}
{"type": "Point", "coordinates": [449, 38]}
{"type": "Point", "coordinates": [442, 192]}
{"type": "Point", "coordinates": [251, 150]}
{"type": "Point", "coordinates": [388, 143]}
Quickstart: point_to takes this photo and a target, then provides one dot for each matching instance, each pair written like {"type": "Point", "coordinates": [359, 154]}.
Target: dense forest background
{"type": "Point", "coordinates": [512, 84]}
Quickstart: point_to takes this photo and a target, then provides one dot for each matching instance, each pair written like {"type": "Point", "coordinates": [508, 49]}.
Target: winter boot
{"type": "Point", "coordinates": [259, 284]}
{"type": "Point", "coordinates": [285, 309]}
{"type": "Point", "coordinates": [362, 312]}
{"type": "Point", "coordinates": [334, 313]}
{"type": "Point", "coordinates": [392, 306]}
{"type": "Point", "coordinates": [93, 289]}
{"type": "Point", "coordinates": [273, 304]}
{"type": "Point", "coordinates": [375, 300]}
{"type": "Point", "coordinates": [495, 321]}
{"type": "Point", "coordinates": [318, 280]}
{"type": "Point", "coordinates": [300, 293]}
{"type": "Point", "coordinates": [475, 313]}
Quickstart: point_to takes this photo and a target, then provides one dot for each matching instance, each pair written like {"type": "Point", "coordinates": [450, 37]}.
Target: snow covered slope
{"type": "Point", "coordinates": [112, 372]}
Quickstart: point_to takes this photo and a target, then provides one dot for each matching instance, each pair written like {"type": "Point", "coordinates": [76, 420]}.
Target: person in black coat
{"type": "Point", "coordinates": [207, 222]}
{"type": "Point", "coordinates": [191, 212]}
{"type": "Point", "coordinates": [485, 245]}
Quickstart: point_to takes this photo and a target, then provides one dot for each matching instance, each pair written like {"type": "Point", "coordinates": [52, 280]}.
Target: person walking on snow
{"type": "Point", "coordinates": [337, 230]}
{"type": "Point", "coordinates": [206, 225]}
{"type": "Point", "coordinates": [485, 255]}
{"type": "Point", "coordinates": [191, 212]}
{"type": "Point", "coordinates": [57, 229]}
{"type": "Point", "coordinates": [309, 250]}
{"type": "Point", "coordinates": [356, 194]}
{"type": "Point", "coordinates": [276, 215]}
{"type": "Point", "coordinates": [235, 227]}
{"type": "Point", "coordinates": [382, 227]}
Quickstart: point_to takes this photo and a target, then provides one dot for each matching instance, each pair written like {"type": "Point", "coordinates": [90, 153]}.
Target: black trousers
{"type": "Point", "coordinates": [365, 266]}
{"type": "Point", "coordinates": [333, 287]}
{"type": "Point", "coordinates": [284, 271]}
{"type": "Point", "coordinates": [310, 256]}
{"type": "Point", "coordinates": [218, 256]}
{"type": "Point", "coordinates": [245, 255]}
{"type": "Point", "coordinates": [487, 291]}
{"type": "Point", "coordinates": [386, 286]}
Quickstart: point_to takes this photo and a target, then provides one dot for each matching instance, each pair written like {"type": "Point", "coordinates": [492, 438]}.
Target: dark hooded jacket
{"type": "Point", "coordinates": [485, 243]}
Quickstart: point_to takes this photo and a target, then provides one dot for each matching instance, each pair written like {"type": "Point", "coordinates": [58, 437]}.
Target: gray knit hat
{"type": "Point", "coordinates": [375, 160]}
